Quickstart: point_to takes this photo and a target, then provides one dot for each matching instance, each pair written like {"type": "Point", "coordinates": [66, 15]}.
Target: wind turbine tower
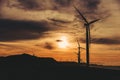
{"type": "Point", "coordinates": [87, 25]}
{"type": "Point", "coordinates": [78, 52]}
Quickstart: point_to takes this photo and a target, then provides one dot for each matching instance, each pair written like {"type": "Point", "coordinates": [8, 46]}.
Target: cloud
{"type": "Point", "coordinates": [118, 1]}
{"type": "Point", "coordinates": [34, 4]}
{"type": "Point", "coordinates": [59, 21]}
{"type": "Point", "coordinates": [29, 4]}
{"type": "Point", "coordinates": [115, 48]}
{"type": "Point", "coordinates": [106, 41]}
{"type": "Point", "coordinates": [55, 4]}
{"type": "Point", "coordinates": [58, 40]}
{"type": "Point", "coordinates": [48, 46]}
{"type": "Point", "coordinates": [7, 45]}
{"type": "Point", "coordinates": [91, 5]}
{"type": "Point", "coordinates": [1, 4]}
{"type": "Point", "coordinates": [63, 2]}
{"type": "Point", "coordinates": [11, 30]}
{"type": "Point", "coordinates": [42, 4]}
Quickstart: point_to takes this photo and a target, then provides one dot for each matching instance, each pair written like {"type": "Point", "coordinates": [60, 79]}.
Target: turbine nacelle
{"type": "Point", "coordinates": [93, 21]}
{"type": "Point", "coordinates": [88, 24]}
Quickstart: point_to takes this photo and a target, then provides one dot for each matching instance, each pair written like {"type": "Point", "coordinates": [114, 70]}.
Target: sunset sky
{"type": "Point", "coordinates": [49, 28]}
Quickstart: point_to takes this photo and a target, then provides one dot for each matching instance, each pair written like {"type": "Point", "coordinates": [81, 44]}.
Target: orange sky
{"type": "Point", "coordinates": [42, 28]}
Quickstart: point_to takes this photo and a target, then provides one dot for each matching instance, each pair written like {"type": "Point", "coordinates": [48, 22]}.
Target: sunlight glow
{"type": "Point", "coordinates": [64, 42]}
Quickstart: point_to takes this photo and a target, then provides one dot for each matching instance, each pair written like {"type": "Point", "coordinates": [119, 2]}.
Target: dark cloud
{"type": "Point", "coordinates": [29, 4]}
{"type": "Point", "coordinates": [58, 20]}
{"type": "Point", "coordinates": [118, 1]}
{"type": "Point", "coordinates": [48, 46]}
{"type": "Point", "coordinates": [11, 30]}
{"type": "Point", "coordinates": [90, 8]}
{"type": "Point", "coordinates": [63, 2]}
{"type": "Point", "coordinates": [106, 41]}
{"type": "Point", "coordinates": [57, 4]}
{"type": "Point", "coordinates": [58, 40]}
{"type": "Point", "coordinates": [43, 4]}
{"type": "Point", "coordinates": [1, 3]}
{"type": "Point", "coordinates": [87, 6]}
{"type": "Point", "coordinates": [91, 4]}
{"type": "Point", "coordinates": [35, 4]}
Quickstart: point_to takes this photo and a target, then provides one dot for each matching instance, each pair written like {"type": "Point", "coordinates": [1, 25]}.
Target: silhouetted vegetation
{"type": "Point", "coordinates": [27, 67]}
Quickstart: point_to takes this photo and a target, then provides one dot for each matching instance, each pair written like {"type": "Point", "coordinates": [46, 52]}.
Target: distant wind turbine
{"type": "Point", "coordinates": [87, 24]}
{"type": "Point", "coordinates": [79, 52]}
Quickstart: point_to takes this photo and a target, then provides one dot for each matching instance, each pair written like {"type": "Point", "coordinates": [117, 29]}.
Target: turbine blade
{"type": "Point", "coordinates": [81, 15]}
{"type": "Point", "coordinates": [94, 21]}
{"type": "Point", "coordinates": [82, 48]}
{"type": "Point", "coordinates": [78, 43]}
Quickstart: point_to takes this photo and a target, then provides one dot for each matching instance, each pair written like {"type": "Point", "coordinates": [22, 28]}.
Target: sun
{"type": "Point", "coordinates": [63, 42]}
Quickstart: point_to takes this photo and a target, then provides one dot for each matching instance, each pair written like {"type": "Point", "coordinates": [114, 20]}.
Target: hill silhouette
{"type": "Point", "coordinates": [25, 60]}
{"type": "Point", "coordinates": [27, 67]}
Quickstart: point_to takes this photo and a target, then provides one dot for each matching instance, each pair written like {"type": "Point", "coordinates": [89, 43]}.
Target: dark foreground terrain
{"type": "Point", "coordinates": [26, 67]}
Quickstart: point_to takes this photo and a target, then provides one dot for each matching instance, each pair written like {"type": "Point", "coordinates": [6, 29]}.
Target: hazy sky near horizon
{"type": "Point", "coordinates": [50, 28]}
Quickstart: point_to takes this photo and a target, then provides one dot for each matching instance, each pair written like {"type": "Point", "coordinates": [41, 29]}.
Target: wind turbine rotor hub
{"type": "Point", "coordinates": [86, 24]}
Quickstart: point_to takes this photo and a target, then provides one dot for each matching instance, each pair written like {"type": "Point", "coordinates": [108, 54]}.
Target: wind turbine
{"type": "Point", "coordinates": [87, 24]}
{"type": "Point", "coordinates": [79, 52]}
